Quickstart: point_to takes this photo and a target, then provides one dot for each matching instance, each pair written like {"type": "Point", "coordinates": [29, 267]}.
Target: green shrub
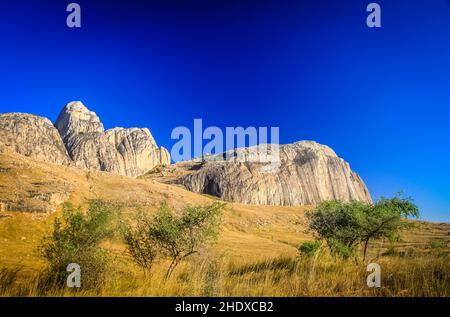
{"type": "Point", "coordinates": [309, 248]}
{"type": "Point", "coordinates": [76, 239]}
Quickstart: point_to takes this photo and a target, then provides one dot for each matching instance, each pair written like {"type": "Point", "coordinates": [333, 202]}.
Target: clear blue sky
{"type": "Point", "coordinates": [379, 97]}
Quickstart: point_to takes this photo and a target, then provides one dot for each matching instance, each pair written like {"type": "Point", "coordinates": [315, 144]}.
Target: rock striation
{"type": "Point", "coordinates": [32, 136]}
{"type": "Point", "coordinates": [130, 152]}
{"type": "Point", "coordinates": [78, 138]}
{"type": "Point", "coordinates": [308, 174]}
{"type": "Point", "coordinates": [138, 150]}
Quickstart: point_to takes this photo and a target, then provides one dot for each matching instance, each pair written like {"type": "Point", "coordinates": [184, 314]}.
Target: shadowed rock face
{"type": "Point", "coordinates": [308, 174]}
{"type": "Point", "coordinates": [130, 152]}
{"type": "Point", "coordinates": [32, 136]}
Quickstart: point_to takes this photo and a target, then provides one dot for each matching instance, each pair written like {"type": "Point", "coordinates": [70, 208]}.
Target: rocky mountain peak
{"type": "Point", "coordinates": [75, 119]}
{"type": "Point", "coordinates": [78, 138]}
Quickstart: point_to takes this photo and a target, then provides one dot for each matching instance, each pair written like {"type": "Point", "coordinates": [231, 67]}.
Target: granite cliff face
{"type": "Point", "coordinates": [138, 150]}
{"type": "Point", "coordinates": [308, 174]}
{"type": "Point", "coordinates": [32, 136]}
{"type": "Point", "coordinates": [78, 138]}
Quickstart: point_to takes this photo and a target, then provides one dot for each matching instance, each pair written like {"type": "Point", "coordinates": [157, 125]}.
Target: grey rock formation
{"type": "Point", "coordinates": [130, 152]}
{"type": "Point", "coordinates": [137, 148]}
{"type": "Point", "coordinates": [164, 156]}
{"type": "Point", "coordinates": [75, 120]}
{"type": "Point", "coordinates": [32, 136]}
{"type": "Point", "coordinates": [308, 174]}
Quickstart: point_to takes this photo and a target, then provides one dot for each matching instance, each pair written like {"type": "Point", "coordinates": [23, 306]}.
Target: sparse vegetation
{"type": "Point", "coordinates": [256, 254]}
{"type": "Point", "coordinates": [139, 242]}
{"type": "Point", "coordinates": [170, 235]}
{"type": "Point", "coordinates": [409, 274]}
{"type": "Point", "coordinates": [179, 237]}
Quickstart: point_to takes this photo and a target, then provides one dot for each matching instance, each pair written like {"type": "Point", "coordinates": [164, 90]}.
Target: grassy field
{"type": "Point", "coordinates": [256, 254]}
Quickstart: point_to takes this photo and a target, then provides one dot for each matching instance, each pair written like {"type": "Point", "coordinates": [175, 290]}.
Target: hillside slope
{"type": "Point", "coordinates": [31, 193]}
{"type": "Point", "coordinates": [37, 189]}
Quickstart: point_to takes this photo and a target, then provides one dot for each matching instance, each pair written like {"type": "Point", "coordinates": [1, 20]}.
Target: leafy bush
{"type": "Point", "coordinates": [75, 239]}
{"type": "Point", "coordinates": [309, 248]}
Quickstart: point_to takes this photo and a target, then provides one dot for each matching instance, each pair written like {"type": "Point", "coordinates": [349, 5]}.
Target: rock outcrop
{"type": "Point", "coordinates": [130, 152]}
{"type": "Point", "coordinates": [138, 150]}
{"type": "Point", "coordinates": [32, 136]}
{"type": "Point", "coordinates": [308, 174]}
{"type": "Point", "coordinates": [78, 138]}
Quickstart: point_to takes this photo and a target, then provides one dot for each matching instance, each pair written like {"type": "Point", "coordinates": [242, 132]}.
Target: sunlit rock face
{"type": "Point", "coordinates": [32, 136]}
{"type": "Point", "coordinates": [308, 174]}
{"type": "Point", "coordinates": [130, 152]}
{"type": "Point", "coordinates": [78, 139]}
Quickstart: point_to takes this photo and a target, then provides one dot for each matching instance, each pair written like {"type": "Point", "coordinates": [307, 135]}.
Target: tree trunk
{"type": "Point", "coordinates": [172, 267]}
{"type": "Point", "coordinates": [365, 249]}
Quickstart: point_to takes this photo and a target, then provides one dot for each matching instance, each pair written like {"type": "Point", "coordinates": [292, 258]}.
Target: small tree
{"type": "Point", "coordinates": [346, 225]}
{"type": "Point", "coordinates": [384, 219]}
{"type": "Point", "coordinates": [338, 223]}
{"type": "Point", "coordinates": [180, 236]}
{"type": "Point", "coordinates": [140, 243]}
{"type": "Point", "coordinates": [76, 239]}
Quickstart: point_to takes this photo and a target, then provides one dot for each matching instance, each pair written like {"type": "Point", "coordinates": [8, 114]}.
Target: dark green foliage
{"type": "Point", "coordinates": [309, 248]}
{"type": "Point", "coordinates": [76, 239]}
{"type": "Point", "coordinates": [344, 226]}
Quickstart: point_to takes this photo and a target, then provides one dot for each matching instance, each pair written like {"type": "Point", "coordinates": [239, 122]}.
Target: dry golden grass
{"type": "Point", "coordinates": [402, 275]}
{"type": "Point", "coordinates": [255, 256]}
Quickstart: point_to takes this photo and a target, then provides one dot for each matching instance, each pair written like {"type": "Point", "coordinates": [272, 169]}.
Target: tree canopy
{"type": "Point", "coordinates": [345, 225]}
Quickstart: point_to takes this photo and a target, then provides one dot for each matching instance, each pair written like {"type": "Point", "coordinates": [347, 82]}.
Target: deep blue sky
{"type": "Point", "coordinates": [379, 97]}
